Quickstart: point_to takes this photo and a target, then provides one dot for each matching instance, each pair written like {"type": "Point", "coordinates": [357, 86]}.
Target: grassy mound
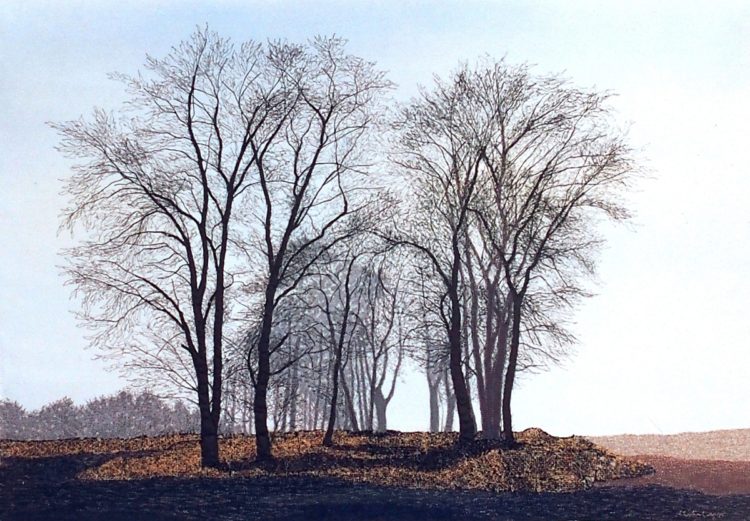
{"type": "Point", "coordinates": [539, 462]}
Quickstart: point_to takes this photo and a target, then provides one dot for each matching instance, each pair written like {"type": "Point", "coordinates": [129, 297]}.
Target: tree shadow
{"type": "Point", "coordinates": [309, 498]}
{"type": "Point", "coordinates": [63, 468]}
{"type": "Point", "coordinates": [46, 488]}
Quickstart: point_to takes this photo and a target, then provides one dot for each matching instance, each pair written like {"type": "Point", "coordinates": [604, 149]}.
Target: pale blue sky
{"type": "Point", "coordinates": [664, 345]}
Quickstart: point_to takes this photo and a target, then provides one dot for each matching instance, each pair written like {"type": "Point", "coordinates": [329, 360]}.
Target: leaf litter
{"type": "Point", "coordinates": [539, 462]}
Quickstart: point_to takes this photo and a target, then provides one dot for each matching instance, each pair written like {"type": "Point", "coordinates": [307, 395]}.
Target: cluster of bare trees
{"type": "Point", "coordinates": [509, 173]}
{"type": "Point", "coordinates": [343, 339]}
{"type": "Point", "coordinates": [260, 231]}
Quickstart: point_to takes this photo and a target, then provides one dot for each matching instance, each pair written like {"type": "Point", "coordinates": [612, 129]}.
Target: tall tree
{"type": "Point", "coordinates": [385, 330]}
{"type": "Point", "coordinates": [510, 173]}
{"type": "Point", "coordinates": [557, 164]}
{"type": "Point", "coordinates": [442, 167]}
{"type": "Point", "coordinates": [338, 330]}
{"type": "Point", "coordinates": [308, 177]}
{"type": "Point", "coordinates": [429, 351]}
{"type": "Point", "coordinates": [552, 162]}
{"type": "Point", "coordinates": [160, 191]}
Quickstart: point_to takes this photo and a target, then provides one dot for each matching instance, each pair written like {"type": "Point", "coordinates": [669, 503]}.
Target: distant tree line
{"type": "Point", "coordinates": [122, 415]}
{"type": "Point", "coordinates": [270, 234]}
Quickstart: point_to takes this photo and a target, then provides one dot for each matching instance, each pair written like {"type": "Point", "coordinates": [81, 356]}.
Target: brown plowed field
{"type": "Point", "coordinates": [716, 462]}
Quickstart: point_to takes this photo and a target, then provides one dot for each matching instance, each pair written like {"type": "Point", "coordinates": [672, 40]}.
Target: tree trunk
{"type": "Point", "coordinates": [364, 407]}
{"type": "Point", "coordinates": [306, 409]}
{"type": "Point", "coordinates": [381, 405]}
{"type": "Point", "coordinates": [339, 348]}
{"type": "Point", "coordinates": [209, 445]}
{"type": "Point", "coordinates": [498, 370]}
{"type": "Point", "coordinates": [260, 403]}
{"type": "Point", "coordinates": [295, 395]}
{"type": "Point", "coordinates": [467, 426]}
{"type": "Point", "coordinates": [349, 403]}
{"type": "Point", "coordinates": [283, 411]}
{"type": "Point", "coordinates": [314, 413]}
{"type": "Point", "coordinates": [260, 416]}
{"type": "Point", "coordinates": [231, 413]}
{"type": "Point", "coordinates": [492, 365]}
{"type": "Point", "coordinates": [493, 399]}
{"type": "Point", "coordinates": [434, 388]}
{"type": "Point", "coordinates": [450, 405]}
{"type": "Point", "coordinates": [209, 439]}
{"type": "Point", "coordinates": [218, 339]}
{"type": "Point", "coordinates": [491, 414]}
{"type": "Point", "coordinates": [511, 371]}
{"type": "Point", "coordinates": [328, 437]}
{"type": "Point", "coordinates": [244, 411]}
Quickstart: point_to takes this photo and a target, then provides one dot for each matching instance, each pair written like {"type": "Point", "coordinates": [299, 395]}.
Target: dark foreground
{"type": "Point", "coordinates": [46, 488]}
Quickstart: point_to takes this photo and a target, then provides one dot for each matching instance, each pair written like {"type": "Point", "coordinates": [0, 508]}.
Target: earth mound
{"type": "Point", "coordinates": [538, 462]}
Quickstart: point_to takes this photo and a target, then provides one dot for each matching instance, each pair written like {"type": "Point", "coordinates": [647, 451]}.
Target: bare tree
{"type": "Point", "coordinates": [385, 330]}
{"type": "Point", "coordinates": [355, 307]}
{"type": "Point", "coordinates": [339, 336]}
{"type": "Point", "coordinates": [160, 191]}
{"type": "Point", "coordinates": [238, 388]}
{"type": "Point", "coordinates": [509, 172]}
{"type": "Point", "coordinates": [488, 328]}
{"type": "Point", "coordinates": [554, 163]}
{"type": "Point", "coordinates": [169, 193]}
{"type": "Point", "coordinates": [308, 175]}
{"type": "Point", "coordinates": [429, 350]}
{"type": "Point", "coordinates": [442, 164]}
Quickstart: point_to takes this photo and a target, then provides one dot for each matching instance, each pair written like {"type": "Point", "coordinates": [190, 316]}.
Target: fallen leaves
{"type": "Point", "coordinates": [539, 462]}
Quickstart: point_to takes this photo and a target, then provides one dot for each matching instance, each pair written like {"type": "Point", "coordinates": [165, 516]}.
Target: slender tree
{"type": "Point", "coordinates": [385, 330]}
{"type": "Point", "coordinates": [307, 179]}
{"type": "Point", "coordinates": [338, 333]}
{"type": "Point", "coordinates": [442, 164]}
{"type": "Point", "coordinates": [554, 163]}
{"type": "Point", "coordinates": [160, 191]}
